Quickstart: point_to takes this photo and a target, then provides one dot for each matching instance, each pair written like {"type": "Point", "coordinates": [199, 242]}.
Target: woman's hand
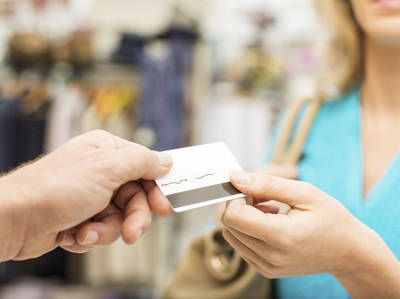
{"type": "Point", "coordinates": [305, 241]}
{"type": "Point", "coordinates": [318, 235]}
{"type": "Point", "coordinates": [87, 193]}
{"type": "Point", "coordinates": [283, 171]}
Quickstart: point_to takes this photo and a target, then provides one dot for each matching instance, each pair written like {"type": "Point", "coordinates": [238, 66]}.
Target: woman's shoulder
{"type": "Point", "coordinates": [337, 115]}
{"type": "Point", "coordinates": [336, 106]}
{"type": "Point", "coordinates": [333, 116]}
{"type": "Point", "coordinates": [343, 103]}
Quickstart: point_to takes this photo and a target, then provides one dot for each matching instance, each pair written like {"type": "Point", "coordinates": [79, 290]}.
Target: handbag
{"type": "Point", "coordinates": [211, 268]}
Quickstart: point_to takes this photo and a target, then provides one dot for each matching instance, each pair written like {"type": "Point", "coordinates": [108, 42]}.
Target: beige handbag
{"type": "Point", "coordinates": [211, 268]}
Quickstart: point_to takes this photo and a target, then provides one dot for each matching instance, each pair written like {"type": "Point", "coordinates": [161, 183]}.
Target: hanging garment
{"type": "Point", "coordinates": [118, 263]}
{"type": "Point", "coordinates": [22, 140]}
{"type": "Point", "coordinates": [64, 118]}
{"type": "Point", "coordinates": [163, 104]}
{"type": "Point", "coordinates": [31, 128]}
{"type": "Point", "coordinates": [21, 134]}
{"type": "Point", "coordinates": [130, 49]}
{"type": "Point", "coordinates": [9, 111]}
{"type": "Point", "coordinates": [118, 125]}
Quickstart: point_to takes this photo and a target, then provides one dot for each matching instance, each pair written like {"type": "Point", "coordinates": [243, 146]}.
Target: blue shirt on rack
{"type": "Point", "coordinates": [332, 160]}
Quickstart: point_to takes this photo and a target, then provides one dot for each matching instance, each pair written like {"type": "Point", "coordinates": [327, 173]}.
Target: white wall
{"type": "Point", "coordinates": [224, 20]}
{"type": "Point", "coordinates": [139, 16]}
{"type": "Point", "coordinates": [227, 24]}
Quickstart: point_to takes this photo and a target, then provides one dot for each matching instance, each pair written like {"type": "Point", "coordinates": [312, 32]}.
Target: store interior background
{"type": "Point", "coordinates": [162, 73]}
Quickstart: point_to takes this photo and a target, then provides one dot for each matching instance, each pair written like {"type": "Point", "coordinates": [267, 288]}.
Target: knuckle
{"type": "Point", "coordinates": [229, 217]}
{"type": "Point", "coordinates": [276, 259]}
{"type": "Point", "coordinates": [151, 158]}
{"type": "Point", "coordinates": [98, 139]}
{"type": "Point", "coordinates": [307, 189]}
{"type": "Point", "coordinates": [276, 233]}
{"type": "Point", "coordinates": [104, 203]}
{"type": "Point", "coordinates": [99, 134]}
{"type": "Point", "coordinates": [253, 264]}
{"type": "Point", "coordinates": [285, 240]}
{"type": "Point", "coordinates": [131, 188]}
{"type": "Point", "coordinates": [114, 236]}
{"type": "Point", "coordinates": [269, 275]}
{"type": "Point", "coordinates": [267, 186]}
{"type": "Point", "coordinates": [294, 239]}
{"type": "Point", "coordinates": [146, 157]}
{"type": "Point", "coordinates": [268, 270]}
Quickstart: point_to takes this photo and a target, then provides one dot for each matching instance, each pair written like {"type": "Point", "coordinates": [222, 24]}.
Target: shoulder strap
{"type": "Point", "coordinates": [289, 154]}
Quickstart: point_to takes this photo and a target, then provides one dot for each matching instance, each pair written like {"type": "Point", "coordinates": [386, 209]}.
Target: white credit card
{"type": "Point", "coordinates": [200, 177]}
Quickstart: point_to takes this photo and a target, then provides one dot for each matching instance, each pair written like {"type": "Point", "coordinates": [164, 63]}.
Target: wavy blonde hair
{"type": "Point", "coordinates": [343, 66]}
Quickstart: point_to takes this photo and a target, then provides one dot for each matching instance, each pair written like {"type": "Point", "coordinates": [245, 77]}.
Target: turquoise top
{"type": "Point", "coordinates": [333, 161]}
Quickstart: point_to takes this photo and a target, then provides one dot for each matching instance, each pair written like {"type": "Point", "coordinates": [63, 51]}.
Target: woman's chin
{"type": "Point", "coordinates": [385, 30]}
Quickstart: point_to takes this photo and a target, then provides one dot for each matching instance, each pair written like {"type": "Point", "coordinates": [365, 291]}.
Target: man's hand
{"type": "Point", "coordinates": [87, 193]}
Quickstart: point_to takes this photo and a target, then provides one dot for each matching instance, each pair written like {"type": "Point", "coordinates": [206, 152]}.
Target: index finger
{"type": "Point", "coordinates": [157, 201]}
{"type": "Point", "coordinates": [253, 222]}
{"type": "Point", "coordinates": [263, 186]}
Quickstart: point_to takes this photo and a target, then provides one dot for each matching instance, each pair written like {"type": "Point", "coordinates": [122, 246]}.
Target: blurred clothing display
{"type": "Point", "coordinates": [22, 139]}
{"type": "Point", "coordinates": [22, 133]}
{"type": "Point", "coordinates": [123, 264]}
{"type": "Point", "coordinates": [232, 118]}
{"type": "Point", "coordinates": [30, 126]}
{"type": "Point", "coordinates": [118, 124]}
{"type": "Point", "coordinates": [35, 289]}
{"type": "Point", "coordinates": [9, 111]}
{"type": "Point", "coordinates": [130, 49]}
{"type": "Point", "coordinates": [31, 133]}
{"type": "Point", "coordinates": [162, 110]}
{"type": "Point", "coordinates": [63, 120]}
{"type": "Point", "coordinates": [147, 71]}
{"type": "Point", "coordinates": [164, 77]}
{"type": "Point", "coordinates": [163, 103]}
{"type": "Point", "coordinates": [110, 109]}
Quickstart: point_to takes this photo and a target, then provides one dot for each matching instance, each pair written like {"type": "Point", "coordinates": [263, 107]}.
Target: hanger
{"type": "Point", "coordinates": [182, 24]}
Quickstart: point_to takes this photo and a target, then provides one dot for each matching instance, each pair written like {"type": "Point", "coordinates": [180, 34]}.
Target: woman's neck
{"type": "Point", "coordinates": [381, 88]}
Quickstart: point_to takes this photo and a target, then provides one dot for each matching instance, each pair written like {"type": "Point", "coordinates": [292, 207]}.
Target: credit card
{"type": "Point", "coordinates": [200, 177]}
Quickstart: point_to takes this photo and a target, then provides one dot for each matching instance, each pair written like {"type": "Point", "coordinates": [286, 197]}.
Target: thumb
{"type": "Point", "coordinates": [263, 186]}
{"type": "Point", "coordinates": [142, 163]}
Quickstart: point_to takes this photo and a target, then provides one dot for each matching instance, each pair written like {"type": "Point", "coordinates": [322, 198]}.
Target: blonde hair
{"type": "Point", "coordinates": [343, 64]}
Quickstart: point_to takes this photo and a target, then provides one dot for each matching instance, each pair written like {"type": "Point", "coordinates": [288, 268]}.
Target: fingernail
{"type": "Point", "coordinates": [165, 159]}
{"type": "Point", "coordinates": [140, 233]}
{"type": "Point", "coordinates": [91, 238]}
{"type": "Point", "coordinates": [68, 240]}
{"type": "Point", "coordinates": [240, 177]}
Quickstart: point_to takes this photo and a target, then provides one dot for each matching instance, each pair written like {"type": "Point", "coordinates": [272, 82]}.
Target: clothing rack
{"type": "Point", "coordinates": [105, 72]}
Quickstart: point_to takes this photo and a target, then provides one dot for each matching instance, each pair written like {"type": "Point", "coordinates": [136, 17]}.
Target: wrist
{"type": "Point", "coordinates": [368, 262]}
{"type": "Point", "coordinates": [13, 217]}
{"type": "Point", "coordinates": [355, 249]}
